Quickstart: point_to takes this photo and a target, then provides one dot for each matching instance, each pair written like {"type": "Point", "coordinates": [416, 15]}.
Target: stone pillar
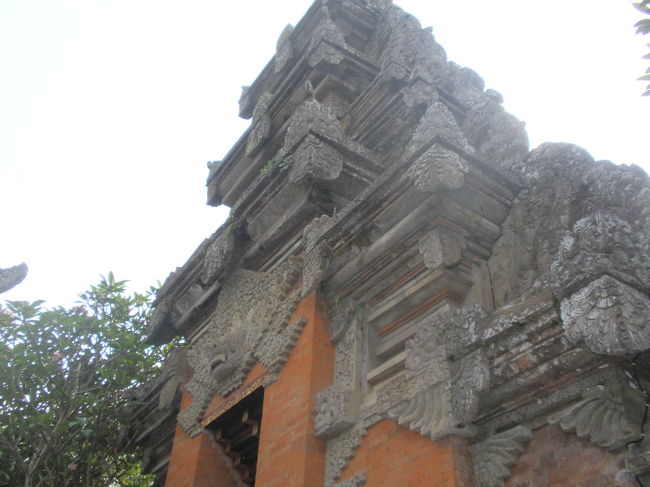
{"type": "Point", "coordinates": [290, 454]}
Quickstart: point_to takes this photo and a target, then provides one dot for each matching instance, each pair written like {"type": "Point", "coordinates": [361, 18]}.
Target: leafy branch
{"type": "Point", "coordinates": [643, 27]}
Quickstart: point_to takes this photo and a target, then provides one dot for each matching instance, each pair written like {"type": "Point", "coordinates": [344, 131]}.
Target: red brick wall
{"type": "Point", "coordinates": [290, 454]}
{"type": "Point", "coordinates": [196, 462]}
{"type": "Point", "coordinates": [557, 459]}
{"type": "Point", "coordinates": [393, 456]}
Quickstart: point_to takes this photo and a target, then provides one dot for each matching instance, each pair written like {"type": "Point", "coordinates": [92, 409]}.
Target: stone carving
{"type": "Point", "coordinates": [428, 412]}
{"type": "Point", "coordinates": [602, 243]}
{"type": "Point", "coordinates": [437, 167]}
{"type": "Point", "coordinates": [283, 49]}
{"type": "Point", "coordinates": [341, 317]}
{"type": "Point", "coordinates": [313, 232]}
{"type": "Point", "coordinates": [249, 324]}
{"type": "Point", "coordinates": [494, 456]}
{"type": "Point", "coordinates": [316, 263]}
{"type": "Point", "coordinates": [159, 322]}
{"type": "Point", "coordinates": [261, 126]}
{"type": "Point", "coordinates": [12, 276]}
{"type": "Point", "coordinates": [426, 354]}
{"type": "Point", "coordinates": [356, 481]}
{"type": "Point", "coordinates": [495, 133]}
{"type": "Point", "coordinates": [245, 103]}
{"type": "Point", "coordinates": [217, 258]}
{"type": "Point", "coordinates": [437, 122]}
{"type": "Point", "coordinates": [335, 410]}
{"type": "Point", "coordinates": [442, 247]}
{"type": "Point", "coordinates": [325, 37]}
{"type": "Point", "coordinates": [469, 377]}
{"type": "Point", "coordinates": [340, 451]}
{"type": "Point", "coordinates": [464, 330]}
{"type": "Point", "coordinates": [311, 116]}
{"type": "Point", "coordinates": [609, 415]}
{"type": "Point", "coordinates": [608, 317]}
{"type": "Point", "coordinates": [316, 158]}
{"type": "Point", "coordinates": [174, 374]}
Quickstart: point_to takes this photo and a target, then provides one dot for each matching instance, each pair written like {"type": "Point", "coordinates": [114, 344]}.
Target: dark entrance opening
{"type": "Point", "coordinates": [237, 431]}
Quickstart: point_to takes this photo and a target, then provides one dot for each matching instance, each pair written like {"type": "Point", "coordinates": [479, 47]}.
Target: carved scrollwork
{"type": "Point", "coordinates": [341, 317]}
{"type": "Point", "coordinates": [609, 415]}
{"type": "Point", "coordinates": [494, 456]}
{"type": "Point", "coordinates": [316, 263]}
{"type": "Point", "coordinates": [427, 412]}
{"type": "Point", "coordinates": [608, 317]}
{"type": "Point", "coordinates": [325, 37]}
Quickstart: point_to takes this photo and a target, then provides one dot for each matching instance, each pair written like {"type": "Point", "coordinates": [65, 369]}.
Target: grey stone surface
{"type": "Point", "coordinates": [12, 276]}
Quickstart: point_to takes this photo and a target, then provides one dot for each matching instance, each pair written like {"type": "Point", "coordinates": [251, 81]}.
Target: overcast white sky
{"type": "Point", "coordinates": [109, 110]}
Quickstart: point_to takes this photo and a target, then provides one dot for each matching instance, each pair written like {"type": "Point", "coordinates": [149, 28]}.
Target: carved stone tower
{"type": "Point", "coordinates": [404, 294]}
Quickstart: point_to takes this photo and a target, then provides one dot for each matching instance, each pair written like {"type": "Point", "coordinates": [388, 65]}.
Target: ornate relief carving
{"type": "Point", "coordinates": [249, 324]}
{"type": "Point", "coordinates": [427, 412]}
{"type": "Point", "coordinates": [608, 317]}
{"type": "Point", "coordinates": [336, 409]}
{"type": "Point", "coordinates": [442, 247]}
{"type": "Point", "coordinates": [340, 451]}
{"type": "Point", "coordinates": [494, 457]}
{"type": "Point", "coordinates": [602, 243]}
{"type": "Point", "coordinates": [312, 116]}
{"type": "Point", "coordinates": [283, 49]}
{"type": "Point", "coordinates": [217, 258]}
{"type": "Point", "coordinates": [261, 123]}
{"type": "Point", "coordinates": [464, 329]}
{"type": "Point", "coordinates": [609, 415]}
{"type": "Point", "coordinates": [437, 167]}
{"type": "Point", "coordinates": [316, 158]}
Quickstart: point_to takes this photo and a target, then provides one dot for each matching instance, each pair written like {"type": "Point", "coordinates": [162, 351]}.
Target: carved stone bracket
{"type": "Point", "coordinates": [494, 456]}
{"type": "Point", "coordinates": [609, 415]}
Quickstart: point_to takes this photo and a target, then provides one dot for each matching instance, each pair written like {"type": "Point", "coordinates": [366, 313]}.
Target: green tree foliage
{"type": "Point", "coordinates": [643, 27]}
{"type": "Point", "coordinates": [63, 377]}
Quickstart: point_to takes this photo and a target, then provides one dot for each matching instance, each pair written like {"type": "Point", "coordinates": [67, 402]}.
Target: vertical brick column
{"type": "Point", "coordinates": [196, 462]}
{"type": "Point", "coordinates": [290, 454]}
